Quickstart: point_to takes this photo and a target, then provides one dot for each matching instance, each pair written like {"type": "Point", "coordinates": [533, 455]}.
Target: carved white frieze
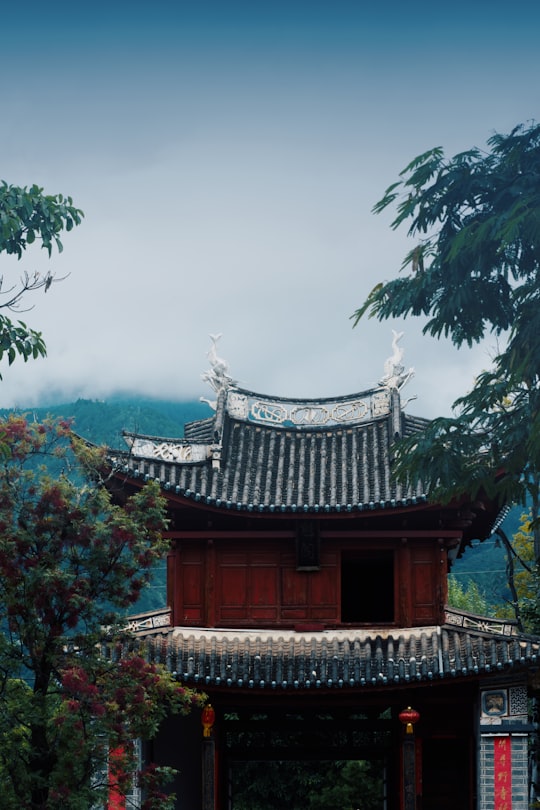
{"type": "Point", "coordinates": [149, 621]}
{"type": "Point", "coordinates": [483, 625]}
{"type": "Point", "coordinates": [380, 403]}
{"type": "Point", "coordinates": [310, 415]}
{"type": "Point", "coordinates": [170, 450]}
{"type": "Point", "coordinates": [300, 414]}
{"type": "Point", "coordinates": [271, 412]}
{"type": "Point", "coordinates": [353, 411]}
{"type": "Point", "coordinates": [237, 405]}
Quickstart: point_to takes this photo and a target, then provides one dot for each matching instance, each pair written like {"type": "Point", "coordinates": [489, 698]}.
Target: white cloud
{"type": "Point", "coordinates": [233, 193]}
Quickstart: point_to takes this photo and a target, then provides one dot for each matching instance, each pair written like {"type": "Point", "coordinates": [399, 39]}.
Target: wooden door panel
{"type": "Point", "coordinates": [324, 587]}
{"type": "Point", "coordinates": [189, 605]}
{"type": "Point", "coordinates": [233, 586]}
{"type": "Point", "coordinates": [294, 588]}
{"type": "Point", "coordinates": [423, 586]}
{"type": "Point", "coordinates": [263, 586]}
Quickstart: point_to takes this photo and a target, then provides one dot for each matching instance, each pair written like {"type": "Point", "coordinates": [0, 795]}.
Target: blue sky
{"type": "Point", "coordinates": [227, 156]}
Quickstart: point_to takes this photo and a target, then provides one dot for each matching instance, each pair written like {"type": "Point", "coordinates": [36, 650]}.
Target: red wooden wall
{"type": "Point", "coordinates": [240, 583]}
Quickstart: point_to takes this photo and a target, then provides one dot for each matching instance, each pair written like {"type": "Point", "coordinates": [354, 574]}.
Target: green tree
{"type": "Point", "coordinates": [308, 785]}
{"type": "Point", "coordinates": [350, 785]}
{"type": "Point", "coordinates": [71, 564]}
{"type": "Point", "coordinates": [474, 270]}
{"type": "Point", "coordinates": [468, 597]}
{"type": "Point", "coordinates": [525, 574]}
{"type": "Point", "coordinates": [27, 215]}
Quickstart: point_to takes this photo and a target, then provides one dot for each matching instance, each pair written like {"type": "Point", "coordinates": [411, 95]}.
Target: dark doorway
{"type": "Point", "coordinates": [307, 785]}
{"type": "Point", "coordinates": [310, 759]}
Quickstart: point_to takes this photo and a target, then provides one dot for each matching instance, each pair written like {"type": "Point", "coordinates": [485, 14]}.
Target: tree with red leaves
{"type": "Point", "coordinates": [71, 565]}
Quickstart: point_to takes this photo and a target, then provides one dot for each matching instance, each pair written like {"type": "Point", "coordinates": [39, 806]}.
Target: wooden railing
{"type": "Point", "coordinates": [152, 620]}
{"type": "Point", "coordinates": [469, 621]}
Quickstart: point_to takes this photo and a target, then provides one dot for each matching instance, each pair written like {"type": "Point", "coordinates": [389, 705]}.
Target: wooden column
{"type": "Point", "coordinates": [408, 717]}
{"type": "Point", "coordinates": [403, 575]}
{"type": "Point", "coordinates": [208, 759]}
{"type": "Point", "coordinates": [208, 775]}
{"type": "Point", "coordinates": [210, 584]}
{"type": "Point", "coordinates": [408, 754]}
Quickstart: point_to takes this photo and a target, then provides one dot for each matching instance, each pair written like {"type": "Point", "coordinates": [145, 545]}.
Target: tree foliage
{"type": "Point", "coordinates": [27, 216]}
{"type": "Point", "coordinates": [308, 784]}
{"type": "Point", "coordinates": [526, 575]}
{"type": "Point", "coordinates": [71, 564]}
{"type": "Point", "coordinates": [475, 270]}
{"type": "Point", "coordinates": [468, 597]}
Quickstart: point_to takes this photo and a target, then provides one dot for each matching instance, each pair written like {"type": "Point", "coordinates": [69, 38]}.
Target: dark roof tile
{"type": "Point", "coordinates": [260, 454]}
{"type": "Point", "coordinates": [347, 658]}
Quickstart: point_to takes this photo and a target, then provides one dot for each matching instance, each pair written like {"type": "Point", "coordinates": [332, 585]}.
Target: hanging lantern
{"type": "Point", "coordinates": [409, 717]}
{"type": "Point", "coordinates": [208, 718]}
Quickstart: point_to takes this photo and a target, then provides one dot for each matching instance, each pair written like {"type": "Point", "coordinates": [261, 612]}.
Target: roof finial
{"type": "Point", "coordinates": [217, 376]}
{"type": "Point", "coordinates": [395, 375]}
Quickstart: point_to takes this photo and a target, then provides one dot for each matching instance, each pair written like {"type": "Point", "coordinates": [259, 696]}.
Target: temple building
{"type": "Point", "coordinates": [307, 596]}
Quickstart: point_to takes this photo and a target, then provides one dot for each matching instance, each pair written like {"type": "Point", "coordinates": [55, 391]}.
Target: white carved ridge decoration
{"type": "Point", "coordinates": [217, 376]}
{"type": "Point", "coordinates": [180, 452]}
{"type": "Point", "coordinates": [380, 404]}
{"type": "Point", "coordinates": [352, 411]}
{"type": "Point", "coordinates": [395, 375]}
{"type": "Point", "coordinates": [161, 618]}
{"type": "Point", "coordinates": [268, 412]}
{"type": "Point", "coordinates": [309, 414]}
{"type": "Point", "coordinates": [482, 625]}
{"type": "Point", "coordinates": [237, 405]}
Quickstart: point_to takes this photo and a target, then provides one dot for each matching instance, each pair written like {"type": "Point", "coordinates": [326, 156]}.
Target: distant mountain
{"type": "Point", "coordinates": [102, 422]}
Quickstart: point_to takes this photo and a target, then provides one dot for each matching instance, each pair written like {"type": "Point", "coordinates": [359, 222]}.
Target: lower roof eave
{"type": "Point", "coordinates": [285, 660]}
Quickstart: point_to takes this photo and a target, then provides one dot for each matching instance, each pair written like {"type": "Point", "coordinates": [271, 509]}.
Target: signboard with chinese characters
{"type": "Point", "coordinates": [503, 773]}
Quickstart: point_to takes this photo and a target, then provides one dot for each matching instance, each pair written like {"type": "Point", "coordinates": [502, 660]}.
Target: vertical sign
{"type": "Point", "coordinates": [116, 799]}
{"type": "Point", "coordinates": [502, 762]}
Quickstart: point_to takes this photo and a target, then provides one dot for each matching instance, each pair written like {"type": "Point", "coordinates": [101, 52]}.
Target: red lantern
{"type": "Point", "coordinates": [409, 717]}
{"type": "Point", "coordinates": [208, 719]}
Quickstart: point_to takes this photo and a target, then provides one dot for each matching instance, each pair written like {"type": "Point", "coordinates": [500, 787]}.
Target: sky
{"type": "Point", "coordinates": [227, 156]}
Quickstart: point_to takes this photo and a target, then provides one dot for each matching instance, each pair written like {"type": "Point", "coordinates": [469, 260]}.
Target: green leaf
{"type": "Point", "coordinates": [476, 271]}
{"type": "Point", "coordinates": [369, 304]}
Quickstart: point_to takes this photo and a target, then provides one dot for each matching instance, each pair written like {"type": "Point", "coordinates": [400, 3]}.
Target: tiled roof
{"type": "Point", "coordinates": [270, 455]}
{"type": "Point", "coordinates": [200, 431]}
{"type": "Point", "coordinates": [334, 659]}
